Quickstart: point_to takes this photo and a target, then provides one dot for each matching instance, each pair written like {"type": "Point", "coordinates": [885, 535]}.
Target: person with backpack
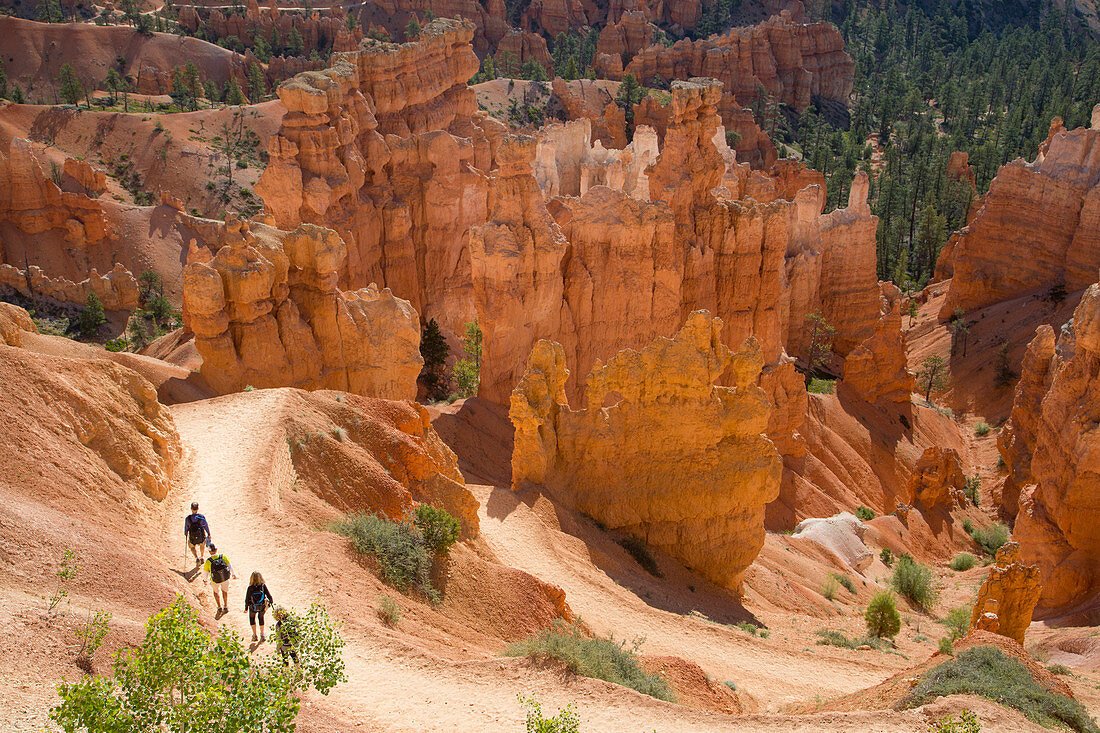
{"type": "Point", "coordinates": [219, 570]}
{"type": "Point", "coordinates": [256, 600]}
{"type": "Point", "coordinates": [196, 533]}
{"type": "Point", "coordinates": [286, 634]}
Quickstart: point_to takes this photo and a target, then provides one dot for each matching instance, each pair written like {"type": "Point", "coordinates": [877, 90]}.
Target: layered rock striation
{"type": "Point", "coordinates": [661, 452]}
{"type": "Point", "coordinates": [267, 312]}
{"type": "Point", "coordinates": [1037, 227]}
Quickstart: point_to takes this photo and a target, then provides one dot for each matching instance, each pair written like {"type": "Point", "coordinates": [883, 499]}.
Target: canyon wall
{"type": "Point", "coordinates": [793, 62]}
{"type": "Point", "coordinates": [661, 452]}
{"type": "Point", "coordinates": [1038, 226]}
{"type": "Point", "coordinates": [1053, 451]}
{"type": "Point", "coordinates": [266, 312]}
{"type": "Point", "coordinates": [1009, 592]}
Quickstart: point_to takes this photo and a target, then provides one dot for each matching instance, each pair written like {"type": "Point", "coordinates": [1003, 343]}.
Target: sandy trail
{"type": "Point", "coordinates": [239, 465]}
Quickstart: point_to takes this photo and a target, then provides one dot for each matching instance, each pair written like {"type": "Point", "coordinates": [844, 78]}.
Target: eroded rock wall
{"type": "Point", "coordinates": [669, 457]}
{"type": "Point", "coordinates": [1038, 226]}
{"type": "Point", "coordinates": [1058, 509]}
{"type": "Point", "coordinates": [267, 312]}
{"type": "Point", "coordinates": [1010, 591]}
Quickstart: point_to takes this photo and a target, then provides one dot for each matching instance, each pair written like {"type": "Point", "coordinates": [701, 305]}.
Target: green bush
{"type": "Point", "coordinates": [638, 550]}
{"type": "Point", "coordinates": [92, 317]}
{"type": "Point", "coordinates": [991, 538]}
{"type": "Point", "coordinates": [887, 556]}
{"type": "Point", "coordinates": [946, 645]}
{"type": "Point", "coordinates": [967, 722]}
{"type": "Point", "coordinates": [597, 657]}
{"type": "Point", "coordinates": [882, 617]}
{"type": "Point", "coordinates": [399, 548]}
{"type": "Point", "coordinates": [987, 672]}
{"type": "Point", "coordinates": [865, 513]}
{"type": "Point", "coordinates": [731, 684]}
{"type": "Point", "coordinates": [821, 386]}
{"type": "Point", "coordinates": [914, 581]}
{"type": "Point", "coordinates": [830, 588]}
{"type": "Point", "coordinates": [963, 561]}
{"type": "Point", "coordinates": [845, 581]}
{"type": "Point", "coordinates": [1059, 669]}
{"type": "Point", "coordinates": [958, 621]}
{"type": "Point", "coordinates": [566, 720]}
{"type": "Point", "coordinates": [180, 678]}
{"type": "Point", "coordinates": [968, 526]}
{"type": "Point", "coordinates": [439, 529]}
{"type": "Point", "coordinates": [752, 629]}
{"type": "Point", "coordinates": [117, 344]}
{"type": "Point", "coordinates": [389, 611]}
{"type": "Point", "coordinates": [828, 637]}
{"type": "Point", "coordinates": [982, 429]}
{"type": "Point", "coordinates": [973, 490]}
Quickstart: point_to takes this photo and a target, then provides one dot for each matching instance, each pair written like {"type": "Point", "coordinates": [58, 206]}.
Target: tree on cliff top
{"type": "Point", "coordinates": [630, 94]}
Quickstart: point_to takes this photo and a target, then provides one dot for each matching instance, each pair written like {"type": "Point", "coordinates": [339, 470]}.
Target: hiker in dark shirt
{"type": "Point", "coordinates": [196, 533]}
{"type": "Point", "coordinates": [256, 600]}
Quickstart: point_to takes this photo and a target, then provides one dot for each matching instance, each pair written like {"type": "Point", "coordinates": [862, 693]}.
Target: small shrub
{"type": "Point", "coordinates": [986, 671]}
{"type": "Point", "coordinates": [973, 490]}
{"type": "Point", "coordinates": [882, 617]}
{"type": "Point", "coordinates": [638, 550]}
{"type": "Point", "coordinates": [92, 317]}
{"type": "Point", "coordinates": [968, 526]}
{"type": "Point", "coordinates": [967, 722]}
{"type": "Point", "coordinates": [821, 386]}
{"type": "Point", "coordinates": [958, 621]}
{"type": "Point", "coordinates": [439, 529]}
{"type": "Point", "coordinates": [389, 611]}
{"type": "Point", "coordinates": [116, 345]}
{"type": "Point", "coordinates": [398, 547]}
{"type": "Point", "coordinates": [828, 637]}
{"type": "Point", "coordinates": [66, 572]}
{"type": "Point", "coordinates": [947, 646]}
{"type": "Point", "coordinates": [339, 434]}
{"type": "Point", "coordinates": [597, 657]}
{"type": "Point", "coordinates": [991, 538]}
{"type": "Point", "coordinates": [248, 388]}
{"type": "Point", "coordinates": [749, 628]}
{"type": "Point", "coordinates": [847, 582]}
{"type": "Point", "coordinates": [963, 561]}
{"type": "Point", "coordinates": [914, 581]}
{"type": "Point", "coordinates": [887, 557]}
{"type": "Point", "coordinates": [91, 636]}
{"type": "Point", "coordinates": [1059, 669]}
{"type": "Point", "coordinates": [829, 590]}
{"type": "Point", "coordinates": [982, 429]}
{"type": "Point", "coordinates": [565, 721]}
{"type": "Point", "coordinates": [865, 514]}
{"type": "Point", "coordinates": [731, 684]}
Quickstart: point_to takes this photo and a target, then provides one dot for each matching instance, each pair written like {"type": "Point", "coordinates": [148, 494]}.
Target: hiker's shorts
{"type": "Point", "coordinates": [222, 586]}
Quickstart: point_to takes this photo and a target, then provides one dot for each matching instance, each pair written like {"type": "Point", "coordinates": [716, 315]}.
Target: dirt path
{"type": "Point", "coordinates": [239, 464]}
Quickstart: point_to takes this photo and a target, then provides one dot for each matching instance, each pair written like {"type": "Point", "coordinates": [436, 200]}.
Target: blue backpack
{"type": "Point", "coordinates": [256, 597]}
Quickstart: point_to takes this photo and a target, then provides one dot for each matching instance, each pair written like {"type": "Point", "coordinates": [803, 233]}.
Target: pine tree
{"type": "Point", "coordinates": [113, 84]}
{"type": "Point", "coordinates": [92, 317]}
{"type": "Point", "coordinates": [933, 376]}
{"type": "Point", "coordinates": [630, 94]}
{"type": "Point", "coordinates": [434, 349]}
{"type": "Point", "coordinates": [3, 81]}
{"type": "Point", "coordinates": [467, 370]}
{"type": "Point", "coordinates": [533, 71]}
{"type": "Point", "coordinates": [257, 86]}
{"type": "Point", "coordinates": [412, 30]}
{"type": "Point", "coordinates": [71, 90]}
{"type": "Point", "coordinates": [233, 95]}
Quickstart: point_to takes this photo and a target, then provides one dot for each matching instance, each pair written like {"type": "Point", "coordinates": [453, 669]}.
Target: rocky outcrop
{"type": "Point", "coordinates": [660, 453]}
{"type": "Point", "coordinates": [1009, 592]}
{"type": "Point", "coordinates": [793, 62]}
{"type": "Point", "coordinates": [568, 163]}
{"type": "Point", "coordinates": [88, 421]}
{"type": "Point", "coordinates": [842, 535]}
{"type": "Point", "coordinates": [367, 149]}
{"type": "Point", "coordinates": [937, 480]}
{"type": "Point", "coordinates": [518, 47]}
{"type": "Point", "coordinates": [1058, 512]}
{"type": "Point", "coordinates": [876, 370]}
{"type": "Point", "coordinates": [587, 99]}
{"type": "Point", "coordinates": [266, 312]}
{"type": "Point", "coordinates": [1016, 441]}
{"type": "Point", "coordinates": [1038, 226]}
{"type": "Point", "coordinates": [117, 290]}
{"type": "Point", "coordinates": [36, 204]}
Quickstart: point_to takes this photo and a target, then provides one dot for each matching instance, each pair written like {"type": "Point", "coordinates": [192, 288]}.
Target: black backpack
{"type": "Point", "coordinates": [256, 597]}
{"type": "Point", "coordinates": [219, 568]}
{"type": "Point", "coordinates": [195, 533]}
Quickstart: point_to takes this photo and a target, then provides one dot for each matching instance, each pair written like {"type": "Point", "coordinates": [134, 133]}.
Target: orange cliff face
{"type": "Point", "coordinates": [1038, 226]}
{"type": "Point", "coordinates": [669, 457]}
{"type": "Point", "coordinates": [266, 312]}
{"type": "Point", "coordinates": [1060, 479]}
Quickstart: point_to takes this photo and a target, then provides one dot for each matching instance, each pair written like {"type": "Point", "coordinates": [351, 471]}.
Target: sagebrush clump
{"type": "Point", "coordinates": [914, 581]}
{"type": "Point", "coordinates": [882, 617]}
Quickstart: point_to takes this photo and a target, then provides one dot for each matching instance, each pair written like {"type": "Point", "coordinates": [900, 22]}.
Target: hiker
{"type": "Point", "coordinates": [286, 634]}
{"type": "Point", "coordinates": [219, 571]}
{"type": "Point", "coordinates": [196, 533]}
{"type": "Point", "coordinates": [256, 600]}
